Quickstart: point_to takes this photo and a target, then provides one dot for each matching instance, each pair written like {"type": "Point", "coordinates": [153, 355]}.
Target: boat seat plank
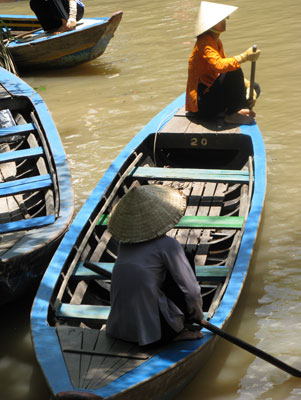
{"type": "Point", "coordinates": [198, 221]}
{"type": "Point", "coordinates": [25, 224]}
{"type": "Point", "coordinates": [17, 129]}
{"type": "Point", "coordinates": [23, 185]}
{"type": "Point", "coordinates": [203, 272]}
{"type": "Point", "coordinates": [83, 312]}
{"type": "Point", "coordinates": [214, 222]}
{"type": "Point", "coordinates": [185, 174]}
{"type": "Point", "coordinates": [86, 273]}
{"type": "Point", "coordinates": [21, 154]}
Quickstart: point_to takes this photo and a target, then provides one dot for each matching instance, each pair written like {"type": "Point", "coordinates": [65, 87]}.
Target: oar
{"type": "Point", "coordinates": [252, 78]}
{"type": "Point", "coordinates": [251, 349]}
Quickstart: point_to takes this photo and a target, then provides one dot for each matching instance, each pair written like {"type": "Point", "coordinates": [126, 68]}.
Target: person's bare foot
{"type": "Point", "coordinates": [188, 335]}
{"type": "Point", "coordinates": [243, 116]}
{"type": "Point", "coordinates": [63, 28]}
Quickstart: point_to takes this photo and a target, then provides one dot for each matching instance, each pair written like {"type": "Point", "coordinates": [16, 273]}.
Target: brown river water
{"type": "Point", "coordinates": [100, 106]}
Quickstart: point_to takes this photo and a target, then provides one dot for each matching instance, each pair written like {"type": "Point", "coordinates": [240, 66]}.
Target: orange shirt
{"type": "Point", "coordinates": [206, 62]}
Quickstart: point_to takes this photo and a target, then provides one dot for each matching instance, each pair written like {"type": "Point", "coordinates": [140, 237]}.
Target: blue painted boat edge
{"type": "Point", "coordinates": [17, 87]}
{"type": "Point", "coordinates": [240, 270]}
{"type": "Point", "coordinates": [40, 307]}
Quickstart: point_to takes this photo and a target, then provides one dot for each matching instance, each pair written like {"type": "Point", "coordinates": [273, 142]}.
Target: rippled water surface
{"type": "Point", "coordinates": [100, 106]}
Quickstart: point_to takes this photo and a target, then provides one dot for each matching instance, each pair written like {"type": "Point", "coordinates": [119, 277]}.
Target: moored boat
{"type": "Point", "coordinates": [36, 195]}
{"type": "Point", "coordinates": [221, 169]}
{"type": "Point", "coordinates": [32, 48]}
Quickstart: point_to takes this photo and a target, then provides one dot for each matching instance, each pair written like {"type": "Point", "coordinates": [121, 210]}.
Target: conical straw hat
{"type": "Point", "coordinates": [210, 14]}
{"type": "Point", "coordinates": [146, 212]}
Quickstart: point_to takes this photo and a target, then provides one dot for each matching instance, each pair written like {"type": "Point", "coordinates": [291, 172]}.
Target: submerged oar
{"type": "Point", "coordinates": [252, 78]}
{"type": "Point", "coordinates": [252, 349]}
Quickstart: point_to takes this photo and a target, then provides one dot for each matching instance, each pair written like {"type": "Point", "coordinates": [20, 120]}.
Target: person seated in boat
{"type": "Point", "coordinates": [57, 16]}
{"type": "Point", "coordinates": [216, 84]}
{"type": "Point", "coordinates": [154, 291]}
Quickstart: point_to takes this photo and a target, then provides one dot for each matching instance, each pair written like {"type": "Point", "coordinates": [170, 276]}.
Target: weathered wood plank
{"type": "Point", "coordinates": [104, 369]}
{"type": "Point", "coordinates": [213, 191]}
{"type": "Point", "coordinates": [71, 337]}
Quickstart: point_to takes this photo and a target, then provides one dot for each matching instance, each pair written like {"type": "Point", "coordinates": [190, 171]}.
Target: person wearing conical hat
{"type": "Point", "coordinates": [216, 84]}
{"type": "Point", "coordinates": [144, 308]}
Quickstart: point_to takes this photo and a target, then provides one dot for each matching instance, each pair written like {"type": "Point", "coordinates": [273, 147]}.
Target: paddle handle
{"type": "Point", "coordinates": [252, 349]}
{"type": "Point", "coordinates": [252, 78]}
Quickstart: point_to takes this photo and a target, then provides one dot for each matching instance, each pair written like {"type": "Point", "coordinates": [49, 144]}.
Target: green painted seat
{"type": "Point", "coordinates": [199, 222]}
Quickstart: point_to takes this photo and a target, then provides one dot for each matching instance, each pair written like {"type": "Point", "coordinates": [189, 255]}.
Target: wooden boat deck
{"type": "Point", "coordinates": [190, 124]}
{"type": "Point", "coordinates": [94, 359]}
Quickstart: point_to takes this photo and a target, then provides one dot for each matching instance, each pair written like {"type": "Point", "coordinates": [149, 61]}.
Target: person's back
{"type": "Point", "coordinates": [140, 309]}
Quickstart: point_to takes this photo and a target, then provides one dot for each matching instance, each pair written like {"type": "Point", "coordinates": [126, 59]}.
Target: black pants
{"type": "Point", "coordinates": [226, 95]}
{"type": "Point", "coordinates": [51, 12]}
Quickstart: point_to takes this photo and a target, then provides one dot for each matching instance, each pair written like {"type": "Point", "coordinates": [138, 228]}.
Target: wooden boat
{"type": "Point", "coordinates": [36, 198]}
{"type": "Point", "coordinates": [32, 48]}
{"type": "Point", "coordinates": [221, 169]}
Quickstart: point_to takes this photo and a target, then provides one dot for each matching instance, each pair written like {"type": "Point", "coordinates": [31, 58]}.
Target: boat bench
{"type": "Point", "coordinates": [24, 224]}
{"type": "Point", "coordinates": [210, 273]}
{"type": "Point", "coordinates": [199, 222]}
{"type": "Point", "coordinates": [185, 174]}
{"type": "Point", "coordinates": [23, 185]}
{"type": "Point", "coordinates": [83, 311]}
{"type": "Point", "coordinates": [17, 130]}
{"type": "Point", "coordinates": [10, 156]}
{"type": "Point", "coordinates": [31, 184]}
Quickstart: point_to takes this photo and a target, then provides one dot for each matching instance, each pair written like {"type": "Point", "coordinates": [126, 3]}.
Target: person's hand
{"type": "Point", "coordinates": [248, 55]}
{"type": "Point", "coordinates": [71, 23]}
{"type": "Point", "coordinates": [72, 14]}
